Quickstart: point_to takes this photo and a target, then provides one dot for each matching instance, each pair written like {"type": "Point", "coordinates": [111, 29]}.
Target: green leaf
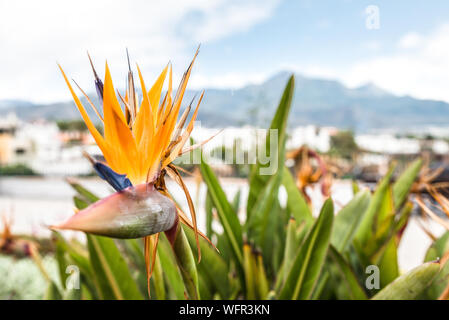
{"type": "Point", "coordinates": [186, 263]}
{"type": "Point", "coordinates": [439, 284]}
{"type": "Point", "coordinates": [208, 207]}
{"type": "Point", "coordinates": [436, 251]}
{"type": "Point", "coordinates": [296, 203]}
{"type": "Point", "coordinates": [73, 254]}
{"type": "Point", "coordinates": [111, 270]}
{"type": "Point", "coordinates": [278, 220]}
{"type": "Point", "coordinates": [262, 285]}
{"type": "Point", "coordinates": [438, 248]}
{"type": "Point", "coordinates": [350, 281]}
{"type": "Point", "coordinates": [382, 229]}
{"type": "Point", "coordinates": [212, 265]}
{"type": "Point", "coordinates": [348, 220]}
{"type": "Point", "coordinates": [60, 253]}
{"type": "Point", "coordinates": [355, 187]}
{"type": "Point", "coordinates": [310, 258]}
{"type": "Point", "coordinates": [83, 192]}
{"type": "Point", "coordinates": [205, 287]}
{"type": "Point", "coordinates": [52, 292]}
{"type": "Point", "coordinates": [255, 276]}
{"type": "Point", "coordinates": [227, 216]}
{"type": "Point", "coordinates": [258, 179]}
{"type": "Point", "coordinates": [367, 224]}
{"type": "Point", "coordinates": [404, 215]}
{"type": "Point", "coordinates": [401, 187]}
{"type": "Point", "coordinates": [262, 223]}
{"type": "Point", "coordinates": [67, 256]}
{"type": "Point", "coordinates": [410, 285]}
{"type": "Point", "coordinates": [72, 294]}
{"type": "Point", "coordinates": [80, 258]}
{"type": "Point", "coordinates": [322, 286]}
{"type": "Point", "coordinates": [250, 277]}
{"type": "Point", "coordinates": [291, 246]}
{"type": "Point", "coordinates": [293, 239]}
{"type": "Point", "coordinates": [171, 271]}
{"type": "Point", "coordinates": [133, 249]}
{"type": "Point", "coordinates": [236, 201]}
{"type": "Point", "coordinates": [389, 265]}
{"type": "Point", "coordinates": [80, 202]}
{"type": "Point", "coordinates": [266, 177]}
{"type": "Point", "coordinates": [158, 279]}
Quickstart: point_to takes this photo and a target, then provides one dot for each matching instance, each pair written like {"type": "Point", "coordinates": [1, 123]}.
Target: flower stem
{"type": "Point", "coordinates": [186, 263]}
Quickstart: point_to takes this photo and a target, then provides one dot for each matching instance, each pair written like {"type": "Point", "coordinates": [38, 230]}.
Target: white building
{"type": "Point", "coordinates": [315, 137]}
{"type": "Point", "coordinates": [40, 139]}
{"type": "Point", "coordinates": [387, 143]}
{"type": "Point", "coordinates": [390, 144]}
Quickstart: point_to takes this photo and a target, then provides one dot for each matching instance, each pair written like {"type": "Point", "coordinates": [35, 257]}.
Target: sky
{"type": "Point", "coordinates": [400, 46]}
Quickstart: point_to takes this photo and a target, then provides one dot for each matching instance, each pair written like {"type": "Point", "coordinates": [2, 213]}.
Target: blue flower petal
{"type": "Point", "coordinates": [117, 181]}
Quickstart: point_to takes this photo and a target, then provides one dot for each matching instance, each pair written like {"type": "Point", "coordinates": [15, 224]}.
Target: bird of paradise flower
{"type": "Point", "coordinates": [139, 146]}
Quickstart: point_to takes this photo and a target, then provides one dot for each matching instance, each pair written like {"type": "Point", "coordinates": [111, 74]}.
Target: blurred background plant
{"type": "Point", "coordinates": [24, 274]}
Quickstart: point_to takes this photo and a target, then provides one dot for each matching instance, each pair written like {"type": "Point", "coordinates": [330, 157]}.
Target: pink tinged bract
{"type": "Point", "coordinates": [134, 212]}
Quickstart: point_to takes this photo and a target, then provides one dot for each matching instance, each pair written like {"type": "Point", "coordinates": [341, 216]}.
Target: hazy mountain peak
{"type": "Point", "coordinates": [13, 103]}
{"type": "Point", "coordinates": [316, 101]}
{"type": "Point", "coordinates": [370, 88]}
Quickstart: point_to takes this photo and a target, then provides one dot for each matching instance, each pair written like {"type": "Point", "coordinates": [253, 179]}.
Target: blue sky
{"type": "Point", "coordinates": [330, 32]}
{"type": "Point", "coordinates": [242, 42]}
{"type": "Point", "coordinates": [329, 39]}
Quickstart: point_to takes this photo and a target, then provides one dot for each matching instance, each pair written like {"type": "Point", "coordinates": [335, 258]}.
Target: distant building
{"type": "Point", "coordinates": [42, 140]}
{"type": "Point", "coordinates": [24, 142]}
{"type": "Point", "coordinates": [317, 138]}
{"type": "Point", "coordinates": [8, 128]}
{"type": "Point", "coordinates": [76, 137]}
{"type": "Point", "coordinates": [390, 144]}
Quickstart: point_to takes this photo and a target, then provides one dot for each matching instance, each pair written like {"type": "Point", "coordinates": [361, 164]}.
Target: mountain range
{"type": "Point", "coordinates": [316, 101]}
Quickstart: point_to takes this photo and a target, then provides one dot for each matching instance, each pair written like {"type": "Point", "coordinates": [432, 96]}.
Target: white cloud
{"type": "Point", "coordinates": [372, 45]}
{"type": "Point", "coordinates": [410, 40]}
{"type": "Point", "coordinates": [225, 17]}
{"type": "Point", "coordinates": [313, 70]}
{"type": "Point", "coordinates": [36, 34]}
{"type": "Point", "coordinates": [229, 80]}
{"type": "Point", "coordinates": [422, 72]}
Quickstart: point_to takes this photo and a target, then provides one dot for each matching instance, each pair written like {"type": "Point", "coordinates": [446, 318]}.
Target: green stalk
{"type": "Point", "coordinates": [290, 247]}
{"type": "Point", "coordinates": [158, 279]}
{"type": "Point", "coordinates": [249, 272]}
{"type": "Point", "coordinates": [262, 281]}
{"type": "Point", "coordinates": [186, 263]}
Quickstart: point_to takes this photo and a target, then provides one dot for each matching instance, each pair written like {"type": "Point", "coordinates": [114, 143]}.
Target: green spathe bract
{"type": "Point", "coordinates": [134, 212]}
